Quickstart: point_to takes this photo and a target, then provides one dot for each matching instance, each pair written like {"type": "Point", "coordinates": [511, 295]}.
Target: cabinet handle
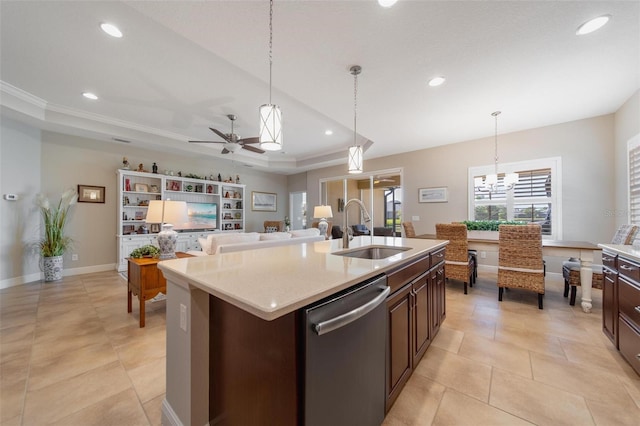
{"type": "Point", "coordinates": [440, 255]}
{"type": "Point", "coordinates": [637, 309]}
{"type": "Point", "coordinates": [638, 356]}
{"type": "Point", "coordinates": [607, 259]}
{"type": "Point", "coordinates": [626, 268]}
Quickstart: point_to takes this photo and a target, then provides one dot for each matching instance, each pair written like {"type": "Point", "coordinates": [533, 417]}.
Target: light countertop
{"type": "Point", "coordinates": [628, 251]}
{"type": "Point", "coordinates": [272, 282]}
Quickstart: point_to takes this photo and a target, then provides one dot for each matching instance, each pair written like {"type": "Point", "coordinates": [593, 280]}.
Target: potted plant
{"type": "Point", "coordinates": [487, 229]}
{"type": "Point", "coordinates": [55, 242]}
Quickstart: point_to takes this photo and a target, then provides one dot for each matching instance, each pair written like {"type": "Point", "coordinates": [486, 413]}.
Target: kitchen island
{"type": "Point", "coordinates": [268, 287]}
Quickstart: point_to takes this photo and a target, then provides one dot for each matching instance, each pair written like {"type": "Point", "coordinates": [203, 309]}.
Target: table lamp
{"type": "Point", "coordinates": [322, 213]}
{"type": "Point", "coordinates": [167, 213]}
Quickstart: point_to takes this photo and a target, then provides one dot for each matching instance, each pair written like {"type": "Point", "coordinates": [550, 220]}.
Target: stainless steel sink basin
{"type": "Point", "coordinates": [372, 252]}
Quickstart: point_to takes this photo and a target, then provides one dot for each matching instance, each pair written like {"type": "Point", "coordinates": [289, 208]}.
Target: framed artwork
{"type": "Point", "coordinates": [90, 194]}
{"type": "Point", "coordinates": [154, 188]}
{"type": "Point", "coordinates": [264, 201]}
{"type": "Point", "coordinates": [432, 195]}
{"type": "Point", "coordinates": [155, 228]}
{"type": "Point", "coordinates": [141, 187]}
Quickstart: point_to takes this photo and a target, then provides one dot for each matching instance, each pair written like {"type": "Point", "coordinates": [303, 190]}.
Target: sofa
{"type": "Point", "coordinates": [230, 242]}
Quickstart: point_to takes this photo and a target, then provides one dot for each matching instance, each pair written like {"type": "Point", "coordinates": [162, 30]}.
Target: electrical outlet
{"type": "Point", "coordinates": [74, 256]}
{"type": "Point", "coordinates": [415, 218]}
{"type": "Point", "coordinates": [183, 317]}
{"type": "Point", "coordinates": [483, 255]}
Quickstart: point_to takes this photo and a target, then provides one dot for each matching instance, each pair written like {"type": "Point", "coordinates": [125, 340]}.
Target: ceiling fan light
{"type": "Point", "coordinates": [270, 127]}
{"type": "Point", "coordinates": [355, 159]}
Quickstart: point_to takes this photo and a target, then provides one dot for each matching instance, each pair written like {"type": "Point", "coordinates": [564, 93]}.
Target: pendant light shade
{"type": "Point", "coordinates": [355, 159]}
{"type": "Point", "coordinates": [356, 154]}
{"type": "Point", "coordinates": [270, 114]}
{"type": "Point", "coordinates": [270, 127]}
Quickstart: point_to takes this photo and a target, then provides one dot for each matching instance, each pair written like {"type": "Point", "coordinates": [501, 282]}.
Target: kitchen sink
{"type": "Point", "coordinates": [372, 252]}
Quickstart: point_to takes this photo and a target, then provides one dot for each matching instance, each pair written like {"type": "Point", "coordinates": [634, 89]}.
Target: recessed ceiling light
{"type": "Point", "coordinates": [387, 3]}
{"type": "Point", "coordinates": [328, 132]}
{"type": "Point", "coordinates": [437, 81]}
{"type": "Point", "coordinates": [111, 29]}
{"type": "Point", "coordinates": [593, 25]}
{"type": "Point", "coordinates": [90, 95]}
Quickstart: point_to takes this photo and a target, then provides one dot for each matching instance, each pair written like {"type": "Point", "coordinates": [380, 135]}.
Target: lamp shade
{"type": "Point", "coordinates": [355, 159]}
{"type": "Point", "coordinates": [270, 127]}
{"type": "Point", "coordinates": [322, 212]}
{"type": "Point", "coordinates": [173, 212]}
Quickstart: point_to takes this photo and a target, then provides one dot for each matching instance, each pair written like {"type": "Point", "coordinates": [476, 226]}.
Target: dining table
{"type": "Point", "coordinates": [581, 250]}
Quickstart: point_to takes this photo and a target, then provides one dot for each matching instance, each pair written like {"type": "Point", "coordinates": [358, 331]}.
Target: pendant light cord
{"type": "Point", "coordinates": [495, 141]}
{"type": "Point", "coordinates": [355, 106]}
{"type": "Point", "coordinates": [270, 45]}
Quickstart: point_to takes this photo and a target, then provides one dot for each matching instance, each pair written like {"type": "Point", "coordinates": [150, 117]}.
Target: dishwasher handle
{"type": "Point", "coordinates": [327, 326]}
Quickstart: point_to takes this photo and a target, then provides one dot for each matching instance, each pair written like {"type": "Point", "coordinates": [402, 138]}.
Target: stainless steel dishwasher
{"type": "Point", "coordinates": [344, 371]}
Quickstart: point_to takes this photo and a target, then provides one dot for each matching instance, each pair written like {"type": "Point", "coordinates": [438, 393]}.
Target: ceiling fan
{"type": "Point", "coordinates": [232, 142]}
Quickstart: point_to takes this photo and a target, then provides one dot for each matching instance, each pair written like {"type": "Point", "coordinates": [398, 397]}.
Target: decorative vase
{"type": "Point", "coordinates": [52, 268]}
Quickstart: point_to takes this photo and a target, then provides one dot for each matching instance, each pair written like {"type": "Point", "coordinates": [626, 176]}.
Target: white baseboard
{"type": "Point", "coordinates": [169, 417]}
{"type": "Point", "coordinates": [68, 272]}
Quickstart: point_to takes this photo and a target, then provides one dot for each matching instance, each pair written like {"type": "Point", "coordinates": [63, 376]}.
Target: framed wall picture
{"type": "Point", "coordinates": [433, 195]}
{"type": "Point", "coordinates": [90, 194]}
{"type": "Point", "coordinates": [264, 201]}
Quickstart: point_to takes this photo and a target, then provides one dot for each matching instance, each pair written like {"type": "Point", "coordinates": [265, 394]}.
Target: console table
{"type": "Point", "coordinates": [145, 280]}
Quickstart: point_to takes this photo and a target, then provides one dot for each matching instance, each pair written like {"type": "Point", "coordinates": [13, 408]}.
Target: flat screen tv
{"type": "Point", "coordinates": [201, 216]}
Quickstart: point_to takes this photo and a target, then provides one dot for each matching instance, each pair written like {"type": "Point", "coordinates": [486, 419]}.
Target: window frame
{"type": "Point", "coordinates": [553, 163]}
{"type": "Point", "coordinates": [632, 144]}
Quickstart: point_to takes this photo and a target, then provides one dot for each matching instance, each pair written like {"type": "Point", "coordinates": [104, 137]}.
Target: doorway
{"type": "Point", "coordinates": [298, 210]}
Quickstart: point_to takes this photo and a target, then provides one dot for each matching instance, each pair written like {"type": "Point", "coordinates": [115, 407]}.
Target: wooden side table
{"type": "Point", "coordinates": [145, 280]}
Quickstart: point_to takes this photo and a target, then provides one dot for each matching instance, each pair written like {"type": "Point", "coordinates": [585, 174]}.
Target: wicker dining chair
{"type": "Point", "coordinates": [409, 232]}
{"type": "Point", "coordinates": [520, 263]}
{"type": "Point", "coordinates": [458, 262]}
{"type": "Point", "coordinates": [273, 226]}
{"type": "Point", "coordinates": [625, 235]}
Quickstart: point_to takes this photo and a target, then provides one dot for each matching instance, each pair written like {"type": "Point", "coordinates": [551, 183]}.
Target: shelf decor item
{"type": "Point", "coordinates": [167, 213]}
{"type": "Point", "coordinates": [54, 243]}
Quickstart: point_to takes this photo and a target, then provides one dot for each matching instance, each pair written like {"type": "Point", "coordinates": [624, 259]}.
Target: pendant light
{"type": "Point", "coordinates": [355, 152]}
{"type": "Point", "coordinates": [270, 115]}
{"type": "Point", "coordinates": [491, 182]}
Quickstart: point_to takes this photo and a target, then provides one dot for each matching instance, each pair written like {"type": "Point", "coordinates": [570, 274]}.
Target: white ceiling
{"type": "Point", "coordinates": [182, 66]}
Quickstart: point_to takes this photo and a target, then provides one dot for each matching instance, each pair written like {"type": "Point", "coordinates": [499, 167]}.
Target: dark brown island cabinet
{"type": "Point", "coordinates": [621, 305]}
{"type": "Point", "coordinates": [256, 366]}
{"type": "Point", "coordinates": [416, 309]}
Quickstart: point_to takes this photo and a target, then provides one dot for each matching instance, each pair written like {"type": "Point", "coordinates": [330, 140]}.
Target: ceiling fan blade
{"type": "Point", "coordinates": [225, 151]}
{"type": "Point", "coordinates": [249, 140]}
{"type": "Point", "coordinates": [207, 142]}
{"type": "Point", "coordinates": [219, 133]}
{"type": "Point", "coordinates": [253, 149]}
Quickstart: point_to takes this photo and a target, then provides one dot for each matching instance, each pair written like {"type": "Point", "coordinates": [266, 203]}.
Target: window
{"type": "Point", "coordinates": [633, 148]}
{"type": "Point", "coordinates": [535, 197]}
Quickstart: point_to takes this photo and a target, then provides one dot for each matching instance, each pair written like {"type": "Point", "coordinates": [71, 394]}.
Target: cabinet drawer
{"type": "Point", "coordinates": [396, 279]}
{"type": "Point", "coordinates": [437, 257]}
{"type": "Point", "coordinates": [629, 344]}
{"type": "Point", "coordinates": [629, 269]}
{"type": "Point", "coordinates": [609, 260]}
{"type": "Point", "coordinates": [629, 301]}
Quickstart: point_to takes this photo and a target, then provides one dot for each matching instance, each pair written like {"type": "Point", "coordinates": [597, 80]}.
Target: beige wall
{"type": "Point", "coordinates": [627, 125]}
{"type": "Point", "coordinates": [585, 147]}
{"type": "Point", "coordinates": [70, 160]}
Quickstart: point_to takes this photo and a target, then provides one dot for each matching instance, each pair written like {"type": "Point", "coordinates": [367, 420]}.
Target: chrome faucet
{"type": "Point", "coordinates": [345, 231]}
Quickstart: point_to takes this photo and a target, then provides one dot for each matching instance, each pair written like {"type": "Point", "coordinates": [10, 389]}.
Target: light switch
{"type": "Point", "coordinates": [415, 218]}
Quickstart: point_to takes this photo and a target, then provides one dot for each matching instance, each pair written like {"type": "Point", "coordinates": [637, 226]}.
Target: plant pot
{"type": "Point", "coordinates": [52, 268]}
{"type": "Point", "coordinates": [483, 235]}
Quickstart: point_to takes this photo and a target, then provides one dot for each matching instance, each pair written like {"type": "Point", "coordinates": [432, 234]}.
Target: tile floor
{"type": "Point", "coordinates": [70, 354]}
